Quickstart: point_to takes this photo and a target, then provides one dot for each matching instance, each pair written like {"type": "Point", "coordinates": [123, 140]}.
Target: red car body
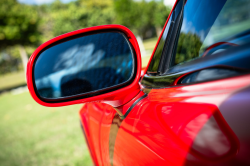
{"type": "Point", "coordinates": [203, 123]}
{"type": "Point", "coordinates": [186, 125]}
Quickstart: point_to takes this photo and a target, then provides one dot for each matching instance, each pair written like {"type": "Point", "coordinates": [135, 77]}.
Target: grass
{"type": "Point", "coordinates": [12, 79]}
{"type": "Point", "coordinates": [145, 61]}
{"type": "Point", "coordinates": [149, 45]}
{"type": "Point", "coordinates": [31, 134]}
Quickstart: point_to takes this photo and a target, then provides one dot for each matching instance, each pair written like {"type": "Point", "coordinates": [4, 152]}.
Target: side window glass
{"type": "Point", "coordinates": [211, 27]}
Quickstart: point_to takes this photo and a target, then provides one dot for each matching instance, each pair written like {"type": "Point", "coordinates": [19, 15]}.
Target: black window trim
{"type": "Point", "coordinates": [171, 40]}
{"type": "Point", "coordinates": [171, 36]}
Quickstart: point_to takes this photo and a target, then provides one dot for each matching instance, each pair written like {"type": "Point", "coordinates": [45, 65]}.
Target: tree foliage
{"type": "Point", "coordinates": [188, 47]}
{"type": "Point", "coordinates": [141, 16]}
{"type": "Point", "coordinates": [24, 27]}
{"type": "Point", "coordinates": [18, 28]}
{"type": "Point", "coordinates": [18, 24]}
{"type": "Point", "coordinates": [62, 18]}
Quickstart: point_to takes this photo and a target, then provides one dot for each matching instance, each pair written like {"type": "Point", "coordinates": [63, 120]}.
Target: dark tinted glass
{"type": "Point", "coordinates": [210, 27]}
{"type": "Point", "coordinates": [85, 64]}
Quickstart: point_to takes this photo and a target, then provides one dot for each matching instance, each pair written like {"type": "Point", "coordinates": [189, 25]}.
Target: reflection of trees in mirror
{"type": "Point", "coordinates": [188, 47]}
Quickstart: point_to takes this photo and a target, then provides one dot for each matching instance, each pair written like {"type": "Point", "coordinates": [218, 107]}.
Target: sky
{"type": "Point", "coordinates": [169, 2]}
{"type": "Point", "coordinates": [38, 2]}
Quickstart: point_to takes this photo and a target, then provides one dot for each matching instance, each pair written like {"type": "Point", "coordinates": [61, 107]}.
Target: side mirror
{"type": "Point", "coordinates": [100, 63]}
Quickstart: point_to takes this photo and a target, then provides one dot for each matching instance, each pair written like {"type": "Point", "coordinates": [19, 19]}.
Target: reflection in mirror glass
{"type": "Point", "coordinates": [84, 64]}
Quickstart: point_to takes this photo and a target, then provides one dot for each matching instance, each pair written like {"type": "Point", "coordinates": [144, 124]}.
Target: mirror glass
{"type": "Point", "coordinates": [91, 63]}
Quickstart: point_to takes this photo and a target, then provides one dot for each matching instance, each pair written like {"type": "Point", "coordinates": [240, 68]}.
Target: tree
{"type": "Point", "coordinates": [161, 13]}
{"type": "Point", "coordinates": [18, 26]}
{"type": "Point", "coordinates": [62, 18]}
{"type": "Point", "coordinates": [141, 16]}
{"type": "Point", "coordinates": [188, 47]}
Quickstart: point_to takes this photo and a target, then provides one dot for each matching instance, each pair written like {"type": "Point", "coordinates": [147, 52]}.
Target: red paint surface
{"type": "Point", "coordinates": [183, 125]}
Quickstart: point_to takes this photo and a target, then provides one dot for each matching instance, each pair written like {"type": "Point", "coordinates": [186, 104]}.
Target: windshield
{"type": "Point", "coordinates": [211, 26]}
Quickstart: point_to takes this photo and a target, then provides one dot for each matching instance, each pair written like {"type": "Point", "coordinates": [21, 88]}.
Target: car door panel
{"type": "Point", "coordinates": [170, 126]}
{"type": "Point", "coordinates": [144, 137]}
{"type": "Point", "coordinates": [97, 119]}
{"type": "Point", "coordinates": [101, 123]}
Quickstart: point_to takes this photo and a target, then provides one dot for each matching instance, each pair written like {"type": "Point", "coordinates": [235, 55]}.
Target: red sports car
{"type": "Point", "coordinates": [192, 105]}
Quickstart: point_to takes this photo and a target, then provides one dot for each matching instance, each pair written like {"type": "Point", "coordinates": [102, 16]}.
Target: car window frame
{"type": "Point", "coordinates": [169, 32]}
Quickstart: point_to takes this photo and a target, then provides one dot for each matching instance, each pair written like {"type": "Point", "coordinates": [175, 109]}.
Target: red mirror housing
{"type": "Point", "coordinates": [116, 97]}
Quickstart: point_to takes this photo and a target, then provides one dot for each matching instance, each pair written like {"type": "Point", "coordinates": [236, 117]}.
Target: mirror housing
{"type": "Point", "coordinates": [115, 96]}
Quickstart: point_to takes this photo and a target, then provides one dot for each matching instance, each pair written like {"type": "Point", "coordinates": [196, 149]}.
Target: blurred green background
{"type": "Point", "coordinates": [31, 134]}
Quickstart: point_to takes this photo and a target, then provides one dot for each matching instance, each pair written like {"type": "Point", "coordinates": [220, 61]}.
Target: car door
{"type": "Point", "coordinates": [194, 109]}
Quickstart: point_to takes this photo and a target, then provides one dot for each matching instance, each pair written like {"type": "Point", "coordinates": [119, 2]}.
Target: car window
{"type": "Point", "coordinates": [211, 27]}
{"type": "Point", "coordinates": [155, 61]}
